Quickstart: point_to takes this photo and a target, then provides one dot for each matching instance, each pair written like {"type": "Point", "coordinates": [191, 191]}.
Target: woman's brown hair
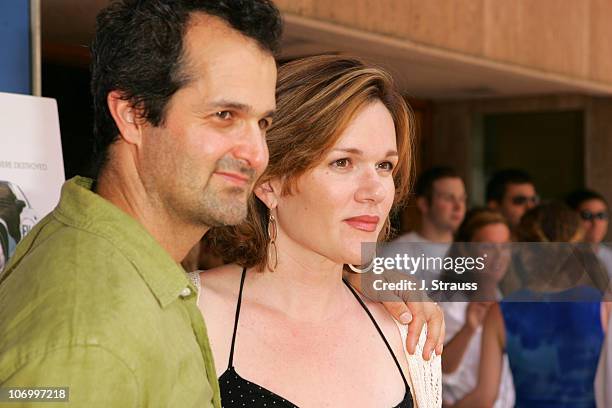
{"type": "Point", "coordinates": [549, 222]}
{"type": "Point", "coordinates": [478, 218]}
{"type": "Point", "coordinates": [555, 222]}
{"type": "Point", "coordinates": [462, 247]}
{"type": "Point", "coordinates": [317, 98]}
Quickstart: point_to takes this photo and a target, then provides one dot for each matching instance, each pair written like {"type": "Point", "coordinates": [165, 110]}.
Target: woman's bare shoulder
{"type": "Point", "coordinates": [223, 280]}
{"type": "Point", "coordinates": [386, 323]}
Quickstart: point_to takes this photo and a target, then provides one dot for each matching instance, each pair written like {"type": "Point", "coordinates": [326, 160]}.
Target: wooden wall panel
{"type": "Point", "coordinates": [600, 61]}
{"type": "Point", "coordinates": [551, 35]}
{"type": "Point", "coordinates": [454, 25]}
{"type": "Point", "coordinates": [567, 37]}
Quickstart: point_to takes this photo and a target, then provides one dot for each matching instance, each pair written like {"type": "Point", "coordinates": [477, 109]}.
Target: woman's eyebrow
{"type": "Point", "coordinates": [360, 153]}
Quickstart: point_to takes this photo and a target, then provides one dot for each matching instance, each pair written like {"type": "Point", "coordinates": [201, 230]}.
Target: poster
{"type": "Point", "coordinates": [31, 166]}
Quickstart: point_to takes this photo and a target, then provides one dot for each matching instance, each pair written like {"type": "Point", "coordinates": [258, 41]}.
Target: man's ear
{"type": "Point", "coordinates": [125, 116]}
{"type": "Point", "coordinates": [267, 193]}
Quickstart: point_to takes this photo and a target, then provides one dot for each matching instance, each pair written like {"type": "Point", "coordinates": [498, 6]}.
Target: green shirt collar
{"type": "Point", "coordinates": [81, 208]}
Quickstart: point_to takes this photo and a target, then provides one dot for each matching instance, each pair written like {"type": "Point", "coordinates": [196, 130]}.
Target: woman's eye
{"type": "Point", "coordinates": [388, 166]}
{"type": "Point", "coordinates": [341, 163]}
{"type": "Point", "coordinates": [224, 115]}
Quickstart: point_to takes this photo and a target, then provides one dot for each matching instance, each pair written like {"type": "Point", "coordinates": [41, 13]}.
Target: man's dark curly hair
{"type": "Point", "coordinates": [138, 51]}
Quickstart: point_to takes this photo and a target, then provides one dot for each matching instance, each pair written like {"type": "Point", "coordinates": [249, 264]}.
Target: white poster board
{"type": "Point", "coordinates": [31, 165]}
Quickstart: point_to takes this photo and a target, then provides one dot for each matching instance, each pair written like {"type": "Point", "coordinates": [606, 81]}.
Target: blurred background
{"type": "Point", "coordinates": [493, 84]}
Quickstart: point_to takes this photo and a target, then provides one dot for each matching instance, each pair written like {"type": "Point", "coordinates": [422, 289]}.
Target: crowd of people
{"type": "Point", "coordinates": [533, 343]}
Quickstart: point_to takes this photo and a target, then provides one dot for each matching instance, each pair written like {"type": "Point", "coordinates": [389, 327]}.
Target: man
{"type": "Point", "coordinates": [94, 298]}
{"type": "Point", "coordinates": [441, 201]}
{"type": "Point", "coordinates": [511, 192]}
{"type": "Point", "coordinates": [593, 210]}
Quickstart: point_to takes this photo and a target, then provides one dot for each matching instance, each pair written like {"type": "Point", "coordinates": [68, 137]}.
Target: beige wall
{"type": "Point", "coordinates": [568, 37]}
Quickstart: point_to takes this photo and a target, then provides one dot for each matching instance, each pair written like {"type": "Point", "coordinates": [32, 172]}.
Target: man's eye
{"type": "Point", "coordinates": [264, 124]}
{"type": "Point", "coordinates": [224, 115]}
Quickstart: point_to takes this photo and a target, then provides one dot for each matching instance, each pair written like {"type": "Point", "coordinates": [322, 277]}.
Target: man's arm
{"type": "Point", "coordinates": [94, 376]}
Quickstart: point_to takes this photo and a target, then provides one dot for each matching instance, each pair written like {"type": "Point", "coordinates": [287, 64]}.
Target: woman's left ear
{"type": "Point", "coordinates": [267, 194]}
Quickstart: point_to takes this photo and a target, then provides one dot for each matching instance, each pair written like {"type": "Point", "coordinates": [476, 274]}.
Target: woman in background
{"type": "Point", "coordinates": [339, 160]}
{"type": "Point", "coordinates": [486, 230]}
{"type": "Point", "coordinates": [552, 330]}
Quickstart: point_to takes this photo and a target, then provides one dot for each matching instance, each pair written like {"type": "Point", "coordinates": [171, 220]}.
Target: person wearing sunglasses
{"type": "Point", "coordinates": [593, 210]}
{"type": "Point", "coordinates": [511, 192]}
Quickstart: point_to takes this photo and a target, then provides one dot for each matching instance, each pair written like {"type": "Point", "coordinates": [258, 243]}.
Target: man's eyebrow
{"type": "Point", "coordinates": [225, 104]}
{"type": "Point", "coordinates": [360, 153]}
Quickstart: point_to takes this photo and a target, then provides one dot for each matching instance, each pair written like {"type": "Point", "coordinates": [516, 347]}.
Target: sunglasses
{"type": "Point", "coordinates": [522, 200]}
{"type": "Point", "coordinates": [588, 215]}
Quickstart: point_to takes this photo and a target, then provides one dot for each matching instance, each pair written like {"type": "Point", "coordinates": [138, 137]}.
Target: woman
{"type": "Point", "coordinates": [552, 330]}
{"type": "Point", "coordinates": [339, 160]}
{"type": "Point", "coordinates": [483, 231]}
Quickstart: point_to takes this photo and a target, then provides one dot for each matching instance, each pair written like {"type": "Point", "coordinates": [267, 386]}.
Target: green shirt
{"type": "Point", "coordinates": [92, 302]}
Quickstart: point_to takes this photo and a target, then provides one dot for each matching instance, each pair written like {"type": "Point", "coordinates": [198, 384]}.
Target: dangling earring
{"type": "Point", "coordinates": [272, 252]}
{"type": "Point", "coordinates": [360, 270]}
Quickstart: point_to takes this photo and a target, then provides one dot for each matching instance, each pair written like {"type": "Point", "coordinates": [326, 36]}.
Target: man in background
{"type": "Point", "coordinates": [511, 192]}
{"type": "Point", "coordinates": [441, 201]}
{"type": "Point", "coordinates": [593, 210]}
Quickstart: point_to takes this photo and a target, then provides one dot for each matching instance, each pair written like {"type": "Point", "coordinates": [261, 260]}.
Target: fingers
{"type": "Point", "coordinates": [414, 332]}
{"type": "Point", "coordinates": [416, 314]}
{"type": "Point", "coordinates": [416, 325]}
{"type": "Point", "coordinates": [440, 345]}
{"type": "Point", "coordinates": [435, 329]}
{"type": "Point", "coordinates": [399, 311]}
